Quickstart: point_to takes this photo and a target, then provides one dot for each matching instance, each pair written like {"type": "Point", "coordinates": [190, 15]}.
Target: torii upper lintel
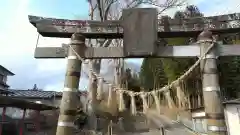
{"type": "Point", "coordinates": [64, 28]}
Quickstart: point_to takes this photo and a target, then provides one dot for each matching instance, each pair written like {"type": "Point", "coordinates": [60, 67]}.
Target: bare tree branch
{"type": "Point", "coordinates": [112, 10]}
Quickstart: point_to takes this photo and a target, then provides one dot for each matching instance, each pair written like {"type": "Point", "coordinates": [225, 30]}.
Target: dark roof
{"type": "Point", "coordinates": [35, 93]}
{"type": "Point", "coordinates": [6, 101]}
{"type": "Point", "coordinates": [38, 93]}
{"type": "Point", "coordinates": [6, 70]}
{"type": "Point", "coordinates": [2, 91]}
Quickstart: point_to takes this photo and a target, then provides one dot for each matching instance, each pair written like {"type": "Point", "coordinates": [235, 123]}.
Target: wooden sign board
{"type": "Point", "coordinates": [139, 39]}
{"type": "Point", "coordinates": [51, 52]}
{"type": "Point", "coordinates": [52, 27]}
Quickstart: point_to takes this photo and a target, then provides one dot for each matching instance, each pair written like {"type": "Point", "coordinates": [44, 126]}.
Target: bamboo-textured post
{"type": "Point", "coordinates": [211, 88]}
{"type": "Point", "coordinates": [70, 100]}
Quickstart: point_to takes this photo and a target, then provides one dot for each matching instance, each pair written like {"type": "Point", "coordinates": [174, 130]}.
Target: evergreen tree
{"type": "Point", "coordinates": [162, 70]}
{"type": "Point", "coordinates": [152, 74]}
{"type": "Point", "coordinates": [157, 72]}
{"type": "Point", "coordinates": [229, 68]}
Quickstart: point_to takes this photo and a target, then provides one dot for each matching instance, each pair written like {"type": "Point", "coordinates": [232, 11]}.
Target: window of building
{"type": "Point", "coordinates": [5, 79]}
{"type": "Point", "coordinates": [1, 78]}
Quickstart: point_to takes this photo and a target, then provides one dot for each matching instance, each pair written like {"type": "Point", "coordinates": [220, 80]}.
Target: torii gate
{"type": "Point", "coordinates": [140, 30]}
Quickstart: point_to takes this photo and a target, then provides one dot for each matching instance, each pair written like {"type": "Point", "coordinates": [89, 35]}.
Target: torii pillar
{"type": "Point", "coordinates": [211, 88]}
{"type": "Point", "coordinates": [69, 103]}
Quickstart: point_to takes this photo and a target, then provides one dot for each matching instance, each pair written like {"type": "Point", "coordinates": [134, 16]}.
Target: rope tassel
{"type": "Point", "coordinates": [121, 102]}
{"type": "Point", "coordinates": [112, 102]}
{"type": "Point", "coordinates": [182, 100]}
{"type": "Point", "coordinates": [179, 95]}
{"type": "Point", "coordinates": [90, 86]}
{"type": "Point", "coordinates": [169, 99]}
{"type": "Point", "coordinates": [109, 95]}
{"type": "Point", "coordinates": [100, 88]}
{"type": "Point", "coordinates": [92, 89]}
{"type": "Point", "coordinates": [145, 104]}
{"type": "Point", "coordinates": [157, 101]}
{"type": "Point", "coordinates": [133, 104]}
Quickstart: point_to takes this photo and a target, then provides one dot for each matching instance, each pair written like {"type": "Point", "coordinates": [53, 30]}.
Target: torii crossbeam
{"type": "Point", "coordinates": [140, 30]}
{"type": "Point", "coordinates": [51, 27]}
{"type": "Point", "coordinates": [63, 28]}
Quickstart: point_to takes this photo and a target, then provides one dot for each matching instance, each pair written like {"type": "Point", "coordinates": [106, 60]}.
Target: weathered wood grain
{"type": "Point", "coordinates": [211, 21]}
{"type": "Point", "coordinates": [58, 31]}
{"type": "Point", "coordinates": [139, 38]}
{"type": "Point", "coordinates": [52, 27]}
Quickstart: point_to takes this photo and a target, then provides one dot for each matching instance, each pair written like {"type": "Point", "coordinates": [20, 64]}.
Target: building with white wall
{"type": "Point", "coordinates": [232, 117]}
{"type": "Point", "coordinates": [4, 73]}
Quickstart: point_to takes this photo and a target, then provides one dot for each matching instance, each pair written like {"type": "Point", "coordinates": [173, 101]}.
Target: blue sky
{"type": "Point", "coordinates": [18, 37]}
{"type": "Point", "coordinates": [60, 8]}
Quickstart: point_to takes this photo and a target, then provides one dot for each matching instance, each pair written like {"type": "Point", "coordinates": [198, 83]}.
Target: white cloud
{"type": "Point", "coordinates": [210, 8]}
{"type": "Point", "coordinates": [17, 44]}
{"type": "Point", "coordinates": [218, 7]}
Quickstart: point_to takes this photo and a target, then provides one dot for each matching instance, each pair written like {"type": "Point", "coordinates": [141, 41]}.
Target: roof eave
{"type": "Point", "coordinates": [6, 70]}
